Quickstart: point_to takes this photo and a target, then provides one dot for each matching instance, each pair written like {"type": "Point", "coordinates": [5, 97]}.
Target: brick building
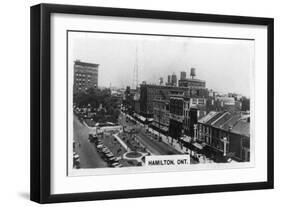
{"type": "Point", "coordinates": [225, 134]}
{"type": "Point", "coordinates": [149, 92]}
{"type": "Point", "coordinates": [85, 76]}
{"type": "Point", "coordinates": [184, 113]}
{"type": "Point", "coordinates": [161, 115]}
{"type": "Point", "coordinates": [192, 83]}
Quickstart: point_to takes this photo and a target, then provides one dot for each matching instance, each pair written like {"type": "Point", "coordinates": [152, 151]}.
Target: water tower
{"type": "Point", "coordinates": [192, 73]}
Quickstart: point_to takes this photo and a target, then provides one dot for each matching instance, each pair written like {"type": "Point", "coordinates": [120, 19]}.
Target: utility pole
{"type": "Point", "coordinates": [159, 118]}
{"type": "Point", "coordinates": [195, 132]}
{"type": "Point", "coordinates": [224, 140]}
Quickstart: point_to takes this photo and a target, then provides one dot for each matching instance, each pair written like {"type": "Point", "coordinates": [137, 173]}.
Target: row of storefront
{"type": "Point", "coordinates": [217, 144]}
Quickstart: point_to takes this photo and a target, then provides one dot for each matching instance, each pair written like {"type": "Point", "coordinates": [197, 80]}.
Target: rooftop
{"type": "Point", "coordinates": [234, 122]}
{"type": "Point", "coordinates": [209, 116]}
{"type": "Point", "coordinates": [170, 87]}
{"type": "Point", "coordinates": [192, 80]}
{"type": "Point", "coordinates": [78, 62]}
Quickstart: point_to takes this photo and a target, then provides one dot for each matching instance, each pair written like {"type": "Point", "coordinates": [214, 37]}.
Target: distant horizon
{"type": "Point", "coordinates": [220, 93]}
{"type": "Point", "coordinates": [225, 64]}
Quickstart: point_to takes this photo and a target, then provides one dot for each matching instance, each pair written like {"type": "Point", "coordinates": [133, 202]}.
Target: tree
{"type": "Point", "coordinates": [96, 97]}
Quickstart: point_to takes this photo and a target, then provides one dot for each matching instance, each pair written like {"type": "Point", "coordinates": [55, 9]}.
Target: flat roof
{"type": "Point", "coordinates": [169, 87]}
{"type": "Point", "coordinates": [192, 80]}
{"type": "Point", "coordinates": [77, 62]}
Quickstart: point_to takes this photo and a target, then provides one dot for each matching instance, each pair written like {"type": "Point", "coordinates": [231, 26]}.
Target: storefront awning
{"type": "Point", "coordinates": [197, 145]}
{"type": "Point", "coordinates": [186, 139]}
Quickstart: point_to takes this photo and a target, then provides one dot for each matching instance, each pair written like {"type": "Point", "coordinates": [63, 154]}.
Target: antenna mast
{"type": "Point", "coordinates": [136, 71]}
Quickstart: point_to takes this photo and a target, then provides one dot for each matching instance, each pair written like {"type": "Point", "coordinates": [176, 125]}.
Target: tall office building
{"type": "Point", "coordinates": [85, 76]}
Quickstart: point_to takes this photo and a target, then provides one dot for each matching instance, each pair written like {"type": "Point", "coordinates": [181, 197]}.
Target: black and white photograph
{"type": "Point", "coordinates": [130, 103]}
{"type": "Point", "coordinates": [153, 103]}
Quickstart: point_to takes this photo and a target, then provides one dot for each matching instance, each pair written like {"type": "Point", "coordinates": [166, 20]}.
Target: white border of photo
{"type": "Point", "coordinates": [61, 183]}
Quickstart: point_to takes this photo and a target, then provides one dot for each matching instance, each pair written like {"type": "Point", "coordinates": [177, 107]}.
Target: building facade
{"type": "Point", "coordinates": [184, 113]}
{"type": "Point", "coordinates": [161, 115]}
{"type": "Point", "coordinates": [225, 134]}
{"type": "Point", "coordinates": [177, 104]}
{"type": "Point", "coordinates": [85, 76]}
{"type": "Point", "coordinates": [149, 92]}
{"type": "Point", "coordinates": [223, 104]}
{"type": "Point", "coordinates": [192, 83]}
{"type": "Point", "coordinates": [194, 109]}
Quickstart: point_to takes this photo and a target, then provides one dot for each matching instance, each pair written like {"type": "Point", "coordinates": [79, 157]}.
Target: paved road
{"type": "Point", "coordinates": [89, 157]}
{"type": "Point", "coordinates": [154, 146]}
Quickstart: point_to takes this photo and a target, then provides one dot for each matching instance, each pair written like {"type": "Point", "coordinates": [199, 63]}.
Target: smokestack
{"type": "Point", "coordinates": [174, 79]}
{"type": "Point", "coordinates": [169, 79]}
{"type": "Point", "coordinates": [183, 75]}
{"type": "Point", "coordinates": [161, 81]}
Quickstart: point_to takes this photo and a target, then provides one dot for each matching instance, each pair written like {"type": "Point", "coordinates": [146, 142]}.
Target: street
{"type": "Point", "coordinates": [154, 146]}
{"type": "Point", "coordinates": [89, 157]}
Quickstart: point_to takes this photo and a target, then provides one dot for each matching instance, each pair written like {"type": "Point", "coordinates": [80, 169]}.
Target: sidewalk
{"type": "Point", "coordinates": [175, 144]}
{"type": "Point", "coordinates": [201, 157]}
{"type": "Point", "coordinates": [168, 140]}
{"type": "Point", "coordinates": [122, 143]}
{"type": "Point", "coordinates": [179, 147]}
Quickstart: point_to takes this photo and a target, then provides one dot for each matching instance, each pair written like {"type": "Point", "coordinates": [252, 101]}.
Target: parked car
{"type": "Point", "coordinates": [93, 138]}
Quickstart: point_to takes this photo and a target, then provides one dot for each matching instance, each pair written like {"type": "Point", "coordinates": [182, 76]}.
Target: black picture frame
{"type": "Point", "coordinates": [41, 102]}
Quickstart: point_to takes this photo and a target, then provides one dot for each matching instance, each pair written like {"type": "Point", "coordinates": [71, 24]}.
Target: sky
{"type": "Point", "coordinates": [225, 64]}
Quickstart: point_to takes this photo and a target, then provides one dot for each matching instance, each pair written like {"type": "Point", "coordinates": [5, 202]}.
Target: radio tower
{"type": "Point", "coordinates": [136, 71]}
